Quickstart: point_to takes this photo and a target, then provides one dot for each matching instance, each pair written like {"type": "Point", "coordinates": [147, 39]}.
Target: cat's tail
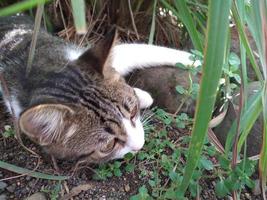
{"type": "Point", "coordinates": [128, 57]}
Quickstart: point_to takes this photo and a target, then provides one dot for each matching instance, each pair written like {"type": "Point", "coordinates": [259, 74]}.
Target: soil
{"type": "Point", "coordinates": [13, 186]}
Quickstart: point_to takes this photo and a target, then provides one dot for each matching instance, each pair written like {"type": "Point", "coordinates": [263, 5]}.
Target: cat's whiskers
{"type": "Point", "coordinates": [146, 118]}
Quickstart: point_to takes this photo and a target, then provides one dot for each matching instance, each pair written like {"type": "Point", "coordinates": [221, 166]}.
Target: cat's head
{"type": "Point", "coordinates": [105, 124]}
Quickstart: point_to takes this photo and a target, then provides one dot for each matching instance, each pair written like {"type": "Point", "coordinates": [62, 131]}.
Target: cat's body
{"type": "Point", "coordinates": [74, 102]}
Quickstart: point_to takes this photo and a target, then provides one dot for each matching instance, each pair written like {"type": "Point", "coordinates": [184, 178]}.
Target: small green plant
{"type": "Point", "coordinates": [8, 132]}
{"type": "Point", "coordinates": [237, 179]}
{"type": "Point", "coordinates": [142, 194]}
{"type": "Point", "coordinates": [116, 168]}
{"type": "Point", "coordinates": [54, 192]}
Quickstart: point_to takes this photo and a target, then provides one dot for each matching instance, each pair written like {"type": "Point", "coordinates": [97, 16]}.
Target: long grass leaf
{"type": "Point", "coordinates": [253, 19]}
{"type": "Point", "coordinates": [245, 42]}
{"type": "Point", "coordinates": [263, 153]}
{"type": "Point", "coordinates": [37, 24]}
{"type": "Point", "coordinates": [182, 12]}
{"type": "Point", "coordinates": [21, 6]}
{"type": "Point", "coordinates": [20, 170]}
{"type": "Point", "coordinates": [153, 27]}
{"type": "Point", "coordinates": [248, 118]}
{"type": "Point", "coordinates": [78, 11]}
{"type": "Point", "coordinates": [214, 57]}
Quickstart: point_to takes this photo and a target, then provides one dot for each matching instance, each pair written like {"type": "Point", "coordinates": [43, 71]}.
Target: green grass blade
{"type": "Point", "coordinates": [214, 57]}
{"type": "Point", "coordinates": [78, 11]}
{"type": "Point", "coordinates": [37, 24]}
{"type": "Point", "coordinates": [263, 153]}
{"type": "Point", "coordinates": [248, 118]}
{"type": "Point", "coordinates": [241, 9]}
{"type": "Point", "coordinates": [253, 19]}
{"type": "Point", "coordinates": [245, 42]}
{"type": "Point", "coordinates": [183, 13]}
{"type": "Point", "coordinates": [19, 7]}
{"type": "Point", "coordinates": [152, 29]}
{"type": "Point", "coordinates": [20, 170]}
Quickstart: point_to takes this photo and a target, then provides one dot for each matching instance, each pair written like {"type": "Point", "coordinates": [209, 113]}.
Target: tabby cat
{"type": "Point", "coordinates": [74, 102]}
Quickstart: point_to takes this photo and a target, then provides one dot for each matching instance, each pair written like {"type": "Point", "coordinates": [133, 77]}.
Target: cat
{"type": "Point", "coordinates": [75, 102]}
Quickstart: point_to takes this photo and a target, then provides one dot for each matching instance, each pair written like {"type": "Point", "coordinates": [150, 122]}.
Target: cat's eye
{"type": "Point", "coordinates": [134, 112]}
{"type": "Point", "coordinates": [109, 146]}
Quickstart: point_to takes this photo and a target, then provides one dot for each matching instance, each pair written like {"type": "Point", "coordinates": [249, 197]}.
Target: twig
{"type": "Point", "coordinates": [63, 20]}
{"type": "Point", "coordinates": [132, 19]}
{"type": "Point", "coordinates": [37, 24]}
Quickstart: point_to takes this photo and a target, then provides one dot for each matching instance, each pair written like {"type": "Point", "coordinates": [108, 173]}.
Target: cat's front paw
{"type": "Point", "coordinates": [144, 97]}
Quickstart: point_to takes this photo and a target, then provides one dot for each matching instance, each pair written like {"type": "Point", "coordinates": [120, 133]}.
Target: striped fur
{"type": "Point", "coordinates": [77, 109]}
{"type": "Point", "coordinates": [75, 102]}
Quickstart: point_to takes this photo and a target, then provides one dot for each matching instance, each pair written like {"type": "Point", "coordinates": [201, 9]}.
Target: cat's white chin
{"type": "Point", "coordinates": [135, 138]}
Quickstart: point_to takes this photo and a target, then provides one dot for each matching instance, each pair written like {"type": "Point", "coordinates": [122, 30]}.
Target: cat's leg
{"type": "Point", "coordinates": [144, 98]}
{"type": "Point", "coordinates": [127, 57]}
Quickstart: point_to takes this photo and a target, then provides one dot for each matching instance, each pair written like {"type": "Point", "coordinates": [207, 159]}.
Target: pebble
{"type": "Point", "coordinates": [247, 195]}
{"type": "Point", "coordinates": [37, 196]}
{"type": "Point", "coordinates": [3, 185]}
{"type": "Point", "coordinates": [257, 189]}
{"type": "Point", "coordinates": [127, 188]}
{"type": "Point", "coordinates": [3, 197]}
{"type": "Point", "coordinates": [11, 188]}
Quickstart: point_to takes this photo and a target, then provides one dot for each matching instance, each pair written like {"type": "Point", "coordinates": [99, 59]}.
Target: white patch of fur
{"type": "Point", "coordinates": [144, 98]}
{"type": "Point", "coordinates": [73, 53]}
{"type": "Point", "coordinates": [15, 105]}
{"type": "Point", "coordinates": [10, 37]}
{"type": "Point", "coordinates": [135, 140]}
{"type": "Point", "coordinates": [127, 57]}
{"type": "Point", "coordinates": [72, 129]}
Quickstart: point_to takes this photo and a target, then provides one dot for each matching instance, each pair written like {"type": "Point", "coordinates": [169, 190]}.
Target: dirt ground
{"type": "Point", "coordinates": [13, 186]}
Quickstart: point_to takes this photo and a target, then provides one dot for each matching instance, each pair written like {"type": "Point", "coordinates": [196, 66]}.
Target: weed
{"type": "Point", "coordinates": [8, 132]}
{"type": "Point", "coordinates": [54, 192]}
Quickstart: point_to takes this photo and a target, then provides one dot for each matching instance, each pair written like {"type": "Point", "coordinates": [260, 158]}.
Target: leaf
{"type": "Point", "coordinates": [180, 89]}
{"type": "Point", "coordinates": [237, 78]}
{"type": "Point", "coordinates": [185, 16]}
{"type": "Point", "coordinates": [183, 116]}
{"type": "Point", "coordinates": [214, 58]}
{"type": "Point", "coordinates": [78, 11]}
{"type": "Point", "coordinates": [117, 172]}
{"type": "Point", "coordinates": [152, 183]}
{"type": "Point", "coordinates": [180, 124]}
{"type": "Point", "coordinates": [142, 189]}
{"type": "Point", "coordinates": [207, 164]}
{"type": "Point", "coordinates": [20, 7]}
{"type": "Point", "coordinates": [250, 183]}
{"type": "Point", "coordinates": [128, 156]}
{"type": "Point", "coordinates": [193, 188]}
{"type": "Point", "coordinates": [224, 162]}
{"type": "Point", "coordinates": [129, 167]}
{"type": "Point", "coordinates": [181, 66]}
{"type": "Point", "coordinates": [20, 170]}
{"type": "Point", "coordinates": [117, 164]}
{"type": "Point", "coordinates": [173, 176]}
{"type": "Point", "coordinates": [164, 116]}
{"type": "Point", "coordinates": [221, 190]}
{"type": "Point", "coordinates": [141, 156]}
{"type": "Point", "coordinates": [234, 59]}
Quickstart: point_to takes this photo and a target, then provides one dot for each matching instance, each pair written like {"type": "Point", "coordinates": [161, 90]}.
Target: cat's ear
{"type": "Point", "coordinates": [98, 57]}
{"type": "Point", "coordinates": [144, 98]}
{"type": "Point", "coordinates": [45, 123]}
